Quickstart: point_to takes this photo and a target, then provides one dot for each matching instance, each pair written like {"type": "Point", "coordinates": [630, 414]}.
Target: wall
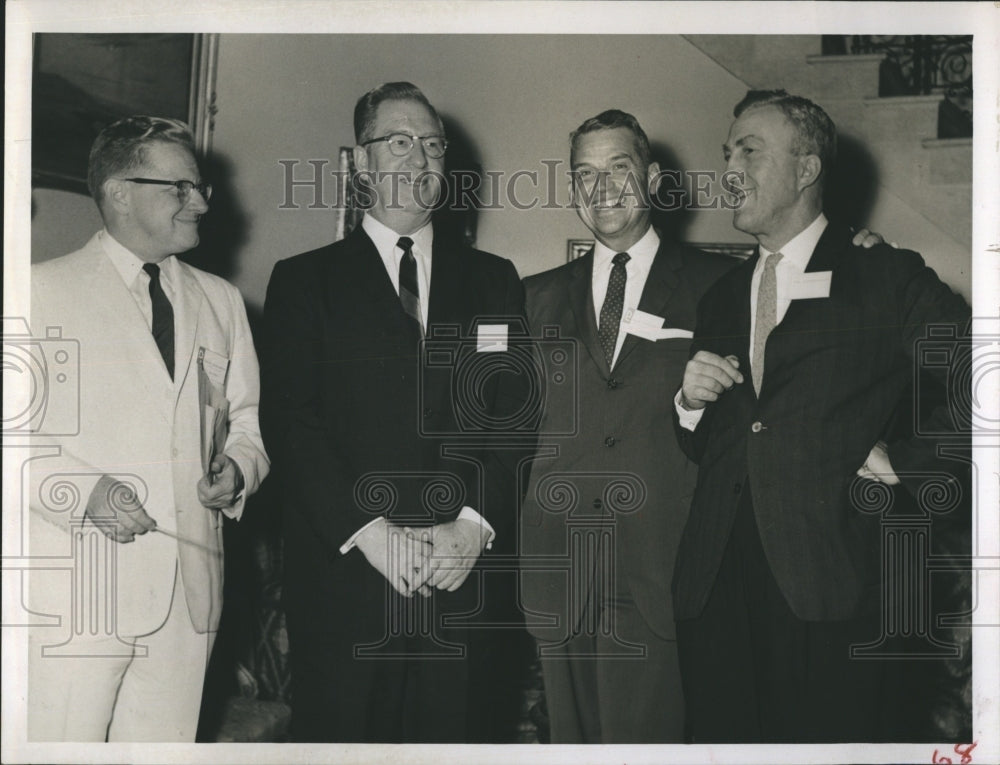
{"type": "Point", "coordinates": [510, 100]}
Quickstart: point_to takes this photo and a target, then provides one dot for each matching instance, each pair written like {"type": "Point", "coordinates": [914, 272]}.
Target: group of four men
{"type": "Point", "coordinates": [391, 499]}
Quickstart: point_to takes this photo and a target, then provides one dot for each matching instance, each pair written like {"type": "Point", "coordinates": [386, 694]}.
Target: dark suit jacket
{"type": "Point", "coordinates": [357, 423]}
{"type": "Point", "coordinates": [834, 372]}
{"type": "Point", "coordinates": [620, 465]}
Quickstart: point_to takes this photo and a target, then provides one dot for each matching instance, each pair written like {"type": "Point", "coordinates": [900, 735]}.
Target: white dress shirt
{"type": "Point", "coordinates": [795, 257]}
{"type": "Point", "coordinates": [129, 267]}
{"type": "Point", "coordinates": [386, 242]}
{"type": "Point", "coordinates": [641, 255]}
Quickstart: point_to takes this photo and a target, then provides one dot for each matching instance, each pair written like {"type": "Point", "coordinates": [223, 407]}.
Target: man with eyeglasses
{"type": "Point", "coordinates": [385, 512]}
{"type": "Point", "coordinates": [166, 443]}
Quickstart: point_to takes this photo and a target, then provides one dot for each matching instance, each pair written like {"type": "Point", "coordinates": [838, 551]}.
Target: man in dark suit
{"type": "Point", "coordinates": [384, 517]}
{"type": "Point", "coordinates": [799, 360]}
{"type": "Point", "coordinates": [603, 619]}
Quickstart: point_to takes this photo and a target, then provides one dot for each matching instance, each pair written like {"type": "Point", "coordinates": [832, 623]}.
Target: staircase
{"type": "Point", "coordinates": [894, 139]}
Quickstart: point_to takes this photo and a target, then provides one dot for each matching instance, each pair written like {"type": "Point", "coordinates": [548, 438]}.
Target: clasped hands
{"type": "Point", "coordinates": [417, 560]}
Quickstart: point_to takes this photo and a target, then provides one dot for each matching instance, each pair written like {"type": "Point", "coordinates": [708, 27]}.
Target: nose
{"type": "Point", "coordinates": [196, 202]}
{"type": "Point", "coordinates": [417, 157]}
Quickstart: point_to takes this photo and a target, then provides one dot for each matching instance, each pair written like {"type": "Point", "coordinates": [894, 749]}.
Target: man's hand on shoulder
{"type": "Point", "coordinates": [114, 508]}
{"type": "Point", "coordinates": [868, 239]}
{"type": "Point", "coordinates": [706, 377]}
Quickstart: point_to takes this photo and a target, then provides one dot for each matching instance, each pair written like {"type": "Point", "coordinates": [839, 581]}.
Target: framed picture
{"type": "Point", "coordinates": [84, 82]}
{"type": "Point", "coordinates": [576, 248]}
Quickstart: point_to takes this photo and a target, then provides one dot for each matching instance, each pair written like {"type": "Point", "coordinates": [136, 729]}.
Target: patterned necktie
{"type": "Point", "coordinates": [767, 313]}
{"type": "Point", "coordinates": [409, 290]}
{"type": "Point", "coordinates": [611, 311]}
{"type": "Point", "coordinates": [163, 317]}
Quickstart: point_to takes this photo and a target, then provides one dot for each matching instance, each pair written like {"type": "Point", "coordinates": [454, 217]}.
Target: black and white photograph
{"type": "Point", "coordinates": [475, 382]}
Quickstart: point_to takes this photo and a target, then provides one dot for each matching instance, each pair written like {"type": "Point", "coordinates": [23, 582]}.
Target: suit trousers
{"type": "Point", "coordinates": [141, 689]}
{"type": "Point", "coordinates": [753, 672]}
{"type": "Point", "coordinates": [615, 681]}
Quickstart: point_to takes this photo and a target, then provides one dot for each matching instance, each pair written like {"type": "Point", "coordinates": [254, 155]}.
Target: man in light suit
{"type": "Point", "coordinates": [385, 513]}
{"type": "Point", "coordinates": [800, 358]}
{"type": "Point", "coordinates": [164, 353]}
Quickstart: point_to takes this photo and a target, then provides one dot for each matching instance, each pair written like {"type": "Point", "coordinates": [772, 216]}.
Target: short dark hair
{"type": "Point", "coordinates": [120, 147]}
{"type": "Point", "coordinates": [366, 108]}
{"type": "Point", "coordinates": [815, 132]}
{"type": "Point", "coordinates": [608, 120]}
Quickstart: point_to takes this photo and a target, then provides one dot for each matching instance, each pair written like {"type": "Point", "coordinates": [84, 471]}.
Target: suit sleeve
{"type": "Point", "coordinates": [244, 444]}
{"type": "Point", "coordinates": [935, 335]}
{"type": "Point", "coordinates": [313, 473]}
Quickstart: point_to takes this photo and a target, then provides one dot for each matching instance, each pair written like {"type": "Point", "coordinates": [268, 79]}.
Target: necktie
{"type": "Point", "coordinates": [409, 290]}
{"type": "Point", "coordinates": [767, 312]}
{"type": "Point", "coordinates": [163, 317]}
{"type": "Point", "coordinates": [611, 311]}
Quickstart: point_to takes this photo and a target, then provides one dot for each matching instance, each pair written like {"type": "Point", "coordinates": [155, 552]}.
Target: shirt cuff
{"type": "Point", "coordinates": [469, 514]}
{"type": "Point", "coordinates": [688, 418]}
{"type": "Point", "coordinates": [351, 542]}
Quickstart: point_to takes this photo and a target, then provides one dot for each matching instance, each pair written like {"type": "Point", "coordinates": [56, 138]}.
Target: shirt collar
{"type": "Point", "coordinates": [128, 264]}
{"type": "Point", "coordinates": [385, 239]}
{"type": "Point", "coordinates": [800, 248]}
{"type": "Point", "coordinates": [641, 253]}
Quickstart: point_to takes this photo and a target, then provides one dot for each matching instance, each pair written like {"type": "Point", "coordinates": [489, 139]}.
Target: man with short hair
{"type": "Point", "coordinates": [166, 366]}
{"type": "Point", "coordinates": [800, 358]}
{"type": "Point", "coordinates": [385, 509]}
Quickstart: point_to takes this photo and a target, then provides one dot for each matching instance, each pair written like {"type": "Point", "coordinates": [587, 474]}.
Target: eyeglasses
{"type": "Point", "coordinates": [184, 188]}
{"type": "Point", "coordinates": [401, 144]}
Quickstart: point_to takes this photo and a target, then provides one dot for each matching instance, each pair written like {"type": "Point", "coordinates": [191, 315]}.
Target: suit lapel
{"type": "Point", "coordinates": [581, 300]}
{"type": "Point", "coordinates": [448, 298]}
{"type": "Point", "coordinates": [361, 266]}
{"type": "Point", "coordinates": [661, 283]}
{"type": "Point", "coordinates": [188, 297]}
{"type": "Point", "coordinates": [127, 347]}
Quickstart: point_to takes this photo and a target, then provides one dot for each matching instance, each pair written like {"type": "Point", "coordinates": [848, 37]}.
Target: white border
{"type": "Point", "coordinates": [982, 19]}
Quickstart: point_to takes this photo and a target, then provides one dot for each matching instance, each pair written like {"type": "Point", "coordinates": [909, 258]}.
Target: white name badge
{"type": "Point", "coordinates": [215, 365]}
{"type": "Point", "coordinates": [491, 338]}
{"type": "Point", "coordinates": [650, 327]}
{"type": "Point", "coordinates": [810, 285]}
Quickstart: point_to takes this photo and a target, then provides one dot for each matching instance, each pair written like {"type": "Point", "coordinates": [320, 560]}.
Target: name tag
{"type": "Point", "coordinates": [491, 338]}
{"type": "Point", "coordinates": [650, 327]}
{"type": "Point", "coordinates": [215, 365]}
{"type": "Point", "coordinates": [808, 286]}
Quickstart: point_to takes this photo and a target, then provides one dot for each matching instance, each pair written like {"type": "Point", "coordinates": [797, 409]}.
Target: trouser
{"type": "Point", "coordinates": [754, 672]}
{"type": "Point", "coordinates": [147, 688]}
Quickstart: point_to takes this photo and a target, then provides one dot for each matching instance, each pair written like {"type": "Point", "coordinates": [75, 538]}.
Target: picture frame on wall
{"type": "Point", "coordinates": [84, 82]}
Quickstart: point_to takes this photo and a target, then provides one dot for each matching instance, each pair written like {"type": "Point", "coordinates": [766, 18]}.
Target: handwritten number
{"type": "Point", "coordinates": [963, 751]}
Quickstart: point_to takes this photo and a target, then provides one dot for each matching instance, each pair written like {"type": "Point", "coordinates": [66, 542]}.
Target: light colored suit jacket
{"type": "Point", "coordinates": [136, 424]}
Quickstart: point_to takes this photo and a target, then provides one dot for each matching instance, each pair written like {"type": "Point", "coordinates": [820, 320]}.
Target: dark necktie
{"type": "Point", "coordinates": [163, 317]}
{"type": "Point", "coordinates": [611, 311]}
{"type": "Point", "coordinates": [767, 315]}
{"type": "Point", "coordinates": [409, 291]}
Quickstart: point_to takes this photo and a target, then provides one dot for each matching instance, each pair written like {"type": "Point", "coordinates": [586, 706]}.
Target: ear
{"type": "Point", "coordinates": [116, 195]}
{"type": "Point", "coordinates": [360, 158]}
{"type": "Point", "coordinates": [653, 176]}
{"type": "Point", "coordinates": [810, 167]}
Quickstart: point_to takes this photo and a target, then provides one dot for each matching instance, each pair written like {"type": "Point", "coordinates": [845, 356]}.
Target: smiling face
{"type": "Point", "coordinates": [778, 190]}
{"type": "Point", "coordinates": [150, 220]}
{"type": "Point", "coordinates": [610, 186]}
{"type": "Point", "coordinates": [405, 188]}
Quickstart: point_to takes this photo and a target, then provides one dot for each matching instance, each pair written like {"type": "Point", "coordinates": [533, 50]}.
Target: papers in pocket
{"type": "Point", "coordinates": [212, 369]}
{"type": "Point", "coordinates": [650, 327]}
{"type": "Point", "coordinates": [491, 338]}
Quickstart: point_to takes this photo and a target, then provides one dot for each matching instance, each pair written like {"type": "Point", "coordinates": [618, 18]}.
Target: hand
{"type": "Point", "coordinates": [706, 377]}
{"type": "Point", "coordinates": [457, 546]}
{"type": "Point", "coordinates": [868, 239]}
{"type": "Point", "coordinates": [877, 467]}
{"type": "Point", "coordinates": [223, 484]}
{"type": "Point", "coordinates": [115, 510]}
{"type": "Point", "coordinates": [398, 555]}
